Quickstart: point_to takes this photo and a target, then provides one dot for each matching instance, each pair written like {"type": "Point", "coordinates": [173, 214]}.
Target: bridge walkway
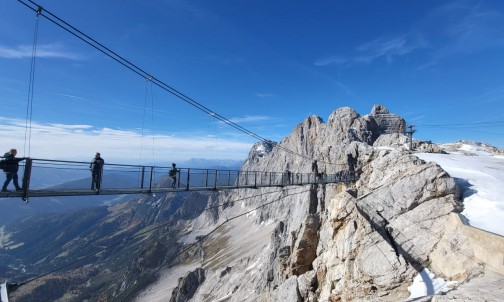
{"type": "Point", "coordinates": [44, 178]}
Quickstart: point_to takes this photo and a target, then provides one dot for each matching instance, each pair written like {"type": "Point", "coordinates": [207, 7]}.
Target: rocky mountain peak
{"type": "Point", "coordinates": [335, 141]}
{"type": "Point", "coordinates": [344, 242]}
{"type": "Point", "coordinates": [379, 109]}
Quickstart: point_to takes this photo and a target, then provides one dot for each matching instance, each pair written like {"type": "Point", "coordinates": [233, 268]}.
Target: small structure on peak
{"type": "Point", "coordinates": [379, 109]}
{"type": "Point", "coordinates": [387, 122]}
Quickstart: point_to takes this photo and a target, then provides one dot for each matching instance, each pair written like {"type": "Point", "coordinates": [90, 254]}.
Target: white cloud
{"type": "Point", "coordinates": [390, 48]}
{"type": "Point", "coordinates": [80, 142]}
{"type": "Point", "coordinates": [249, 119]}
{"type": "Point", "coordinates": [462, 28]}
{"type": "Point", "coordinates": [55, 50]}
{"type": "Point", "coordinates": [334, 60]}
{"type": "Point", "coordinates": [69, 96]}
{"type": "Point", "coordinates": [471, 28]}
{"type": "Point", "coordinates": [264, 95]}
{"type": "Point", "coordinates": [381, 48]}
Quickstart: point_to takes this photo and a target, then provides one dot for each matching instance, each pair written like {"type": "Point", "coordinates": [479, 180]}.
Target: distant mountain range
{"type": "Point", "coordinates": [44, 242]}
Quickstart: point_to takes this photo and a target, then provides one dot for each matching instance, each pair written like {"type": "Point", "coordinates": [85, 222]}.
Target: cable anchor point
{"type": "Point", "coordinates": [39, 10]}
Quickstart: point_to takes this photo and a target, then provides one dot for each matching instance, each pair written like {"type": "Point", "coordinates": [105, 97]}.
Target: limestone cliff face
{"type": "Point", "coordinates": [337, 242]}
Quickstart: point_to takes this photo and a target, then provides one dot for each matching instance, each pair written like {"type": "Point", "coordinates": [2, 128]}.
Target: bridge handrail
{"type": "Point", "coordinates": [151, 179]}
{"type": "Point", "coordinates": [159, 167]}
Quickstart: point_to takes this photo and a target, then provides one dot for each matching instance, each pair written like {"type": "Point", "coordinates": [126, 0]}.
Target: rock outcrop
{"type": "Point", "coordinates": [339, 242]}
{"type": "Point", "coordinates": [386, 122]}
{"type": "Point", "coordinates": [188, 285]}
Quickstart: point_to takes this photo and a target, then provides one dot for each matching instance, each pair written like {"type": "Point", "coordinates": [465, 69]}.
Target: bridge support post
{"type": "Point", "coordinates": [188, 178]}
{"type": "Point", "coordinates": [26, 178]}
{"type": "Point", "coordinates": [151, 179]}
{"type": "Point", "coordinates": [216, 176]}
{"type": "Point", "coordinates": [142, 178]}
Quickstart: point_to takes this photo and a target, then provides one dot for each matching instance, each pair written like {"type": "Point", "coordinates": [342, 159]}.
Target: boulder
{"type": "Point", "coordinates": [188, 285]}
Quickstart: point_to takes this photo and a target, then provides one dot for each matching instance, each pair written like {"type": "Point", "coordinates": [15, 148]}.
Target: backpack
{"type": "Point", "coordinates": [173, 172]}
{"type": "Point", "coordinates": [2, 164]}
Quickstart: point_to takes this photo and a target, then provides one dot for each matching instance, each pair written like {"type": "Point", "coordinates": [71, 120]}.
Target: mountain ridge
{"type": "Point", "coordinates": [329, 242]}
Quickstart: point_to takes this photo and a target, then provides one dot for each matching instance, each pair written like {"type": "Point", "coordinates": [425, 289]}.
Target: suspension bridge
{"type": "Point", "coordinates": [53, 178]}
{"type": "Point", "coordinates": [120, 179]}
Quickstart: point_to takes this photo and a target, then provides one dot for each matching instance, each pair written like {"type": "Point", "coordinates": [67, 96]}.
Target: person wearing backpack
{"type": "Point", "coordinates": [173, 174]}
{"type": "Point", "coordinates": [11, 167]}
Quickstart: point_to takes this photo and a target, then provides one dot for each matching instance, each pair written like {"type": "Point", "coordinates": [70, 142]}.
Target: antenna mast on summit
{"type": "Point", "coordinates": [410, 135]}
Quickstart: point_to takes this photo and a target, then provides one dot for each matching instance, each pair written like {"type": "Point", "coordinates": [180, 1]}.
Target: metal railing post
{"type": "Point", "coordinates": [229, 178]}
{"type": "Point", "coordinates": [151, 179]}
{"type": "Point", "coordinates": [255, 179]}
{"type": "Point", "coordinates": [238, 179]}
{"type": "Point", "coordinates": [188, 178]}
{"type": "Point", "coordinates": [215, 183]}
{"type": "Point", "coordinates": [206, 178]}
{"type": "Point", "coordinates": [142, 178]}
{"type": "Point", "coordinates": [26, 178]}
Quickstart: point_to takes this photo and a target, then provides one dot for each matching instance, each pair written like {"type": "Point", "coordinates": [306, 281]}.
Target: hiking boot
{"type": "Point", "coordinates": [19, 189]}
{"type": "Point", "coordinates": [5, 190]}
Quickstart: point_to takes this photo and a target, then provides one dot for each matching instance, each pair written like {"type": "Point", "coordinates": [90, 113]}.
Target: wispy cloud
{"type": "Point", "coordinates": [55, 50]}
{"type": "Point", "coordinates": [68, 96]}
{"type": "Point", "coordinates": [467, 28]}
{"type": "Point", "coordinates": [380, 48]}
{"type": "Point", "coordinates": [390, 48]}
{"type": "Point", "coordinates": [334, 60]}
{"type": "Point", "coordinates": [250, 119]}
{"type": "Point", "coordinates": [80, 142]}
{"type": "Point", "coordinates": [264, 95]}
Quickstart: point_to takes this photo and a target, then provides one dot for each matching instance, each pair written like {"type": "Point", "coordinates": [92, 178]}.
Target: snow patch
{"type": "Point", "coordinates": [260, 149]}
{"type": "Point", "coordinates": [3, 291]}
{"type": "Point", "coordinates": [481, 180]}
{"type": "Point", "coordinates": [425, 284]}
{"type": "Point", "coordinates": [252, 214]}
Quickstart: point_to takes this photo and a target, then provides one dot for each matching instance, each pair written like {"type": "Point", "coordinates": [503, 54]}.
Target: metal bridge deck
{"type": "Point", "coordinates": [129, 179]}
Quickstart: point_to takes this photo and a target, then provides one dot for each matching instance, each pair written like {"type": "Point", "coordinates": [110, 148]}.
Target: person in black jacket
{"type": "Point", "coordinates": [96, 168]}
{"type": "Point", "coordinates": [11, 168]}
{"type": "Point", "coordinates": [173, 174]}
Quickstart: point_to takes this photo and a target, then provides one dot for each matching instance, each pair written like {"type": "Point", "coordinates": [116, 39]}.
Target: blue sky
{"type": "Point", "coordinates": [266, 65]}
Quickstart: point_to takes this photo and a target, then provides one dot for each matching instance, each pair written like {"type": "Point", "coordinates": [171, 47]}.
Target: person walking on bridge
{"type": "Point", "coordinates": [96, 168]}
{"type": "Point", "coordinates": [11, 168]}
{"type": "Point", "coordinates": [173, 174]}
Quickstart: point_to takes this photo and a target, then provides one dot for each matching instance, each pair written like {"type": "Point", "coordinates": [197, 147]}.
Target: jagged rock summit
{"type": "Point", "coordinates": [355, 241]}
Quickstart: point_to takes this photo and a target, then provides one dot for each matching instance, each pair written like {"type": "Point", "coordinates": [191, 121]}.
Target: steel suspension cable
{"type": "Point", "coordinates": [31, 85]}
{"type": "Point", "coordinates": [152, 126]}
{"type": "Point", "coordinates": [143, 118]}
{"type": "Point", "coordinates": [141, 72]}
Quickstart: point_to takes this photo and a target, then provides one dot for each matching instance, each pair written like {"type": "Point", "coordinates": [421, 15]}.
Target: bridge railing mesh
{"type": "Point", "coordinates": [60, 176]}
